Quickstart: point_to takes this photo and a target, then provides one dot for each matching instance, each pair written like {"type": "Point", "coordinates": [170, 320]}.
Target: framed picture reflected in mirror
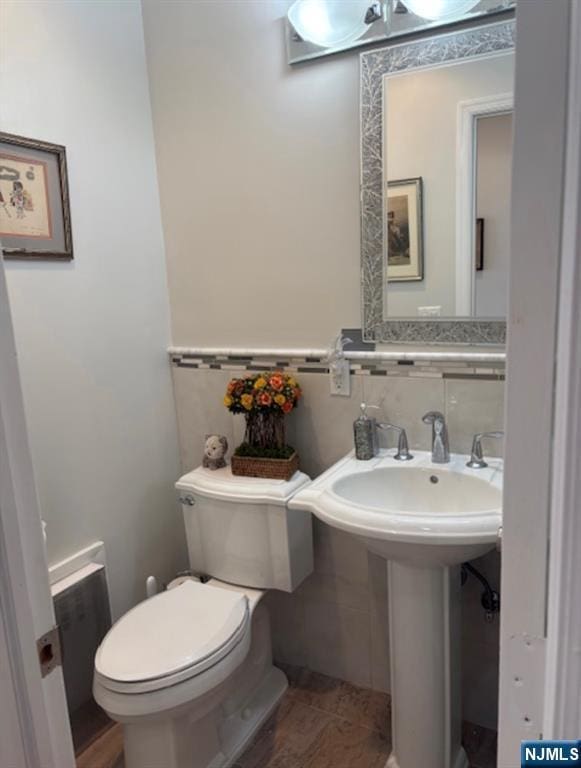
{"type": "Point", "coordinates": [404, 230]}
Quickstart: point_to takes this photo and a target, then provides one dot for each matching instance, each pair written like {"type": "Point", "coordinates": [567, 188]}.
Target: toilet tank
{"type": "Point", "coordinates": [240, 530]}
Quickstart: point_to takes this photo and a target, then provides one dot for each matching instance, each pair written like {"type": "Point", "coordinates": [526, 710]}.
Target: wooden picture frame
{"type": "Point", "coordinates": [404, 230]}
{"type": "Point", "coordinates": [35, 218]}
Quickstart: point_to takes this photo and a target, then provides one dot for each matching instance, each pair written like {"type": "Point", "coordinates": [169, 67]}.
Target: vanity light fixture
{"type": "Point", "coordinates": [333, 23]}
{"type": "Point", "coordinates": [320, 28]}
{"type": "Point", "coordinates": [440, 10]}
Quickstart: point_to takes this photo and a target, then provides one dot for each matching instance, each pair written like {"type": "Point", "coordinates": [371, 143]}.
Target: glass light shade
{"type": "Point", "coordinates": [329, 23]}
{"type": "Point", "coordinates": [440, 10]}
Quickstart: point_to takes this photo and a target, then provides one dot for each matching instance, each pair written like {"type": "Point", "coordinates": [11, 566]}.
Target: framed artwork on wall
{"type": "Point", "coordinates": [404, 230]}
{"type": "Point", "coordinates": [35, 218]}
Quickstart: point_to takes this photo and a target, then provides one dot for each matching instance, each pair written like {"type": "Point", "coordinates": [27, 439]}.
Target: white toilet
{"type": "Point", "coordinates": [189, 672]}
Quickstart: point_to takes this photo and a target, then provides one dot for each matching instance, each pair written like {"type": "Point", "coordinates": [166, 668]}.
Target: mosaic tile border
{"type": "Point", "coordinates": [242, 365]}
{"type": "Point", "coordinates": [375, 64]}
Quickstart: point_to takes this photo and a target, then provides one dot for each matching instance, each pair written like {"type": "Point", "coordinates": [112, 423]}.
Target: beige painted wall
{"type": "Point", "coordinates": [259, 176]}
{"type": "Point", "coordinates": [421, 129]}
{"type": "Point", "coordinates": [91, 335]}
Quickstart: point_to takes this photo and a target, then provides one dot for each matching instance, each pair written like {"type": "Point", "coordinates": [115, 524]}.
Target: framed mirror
{"type": "Point", "coordinates": [436, 154]}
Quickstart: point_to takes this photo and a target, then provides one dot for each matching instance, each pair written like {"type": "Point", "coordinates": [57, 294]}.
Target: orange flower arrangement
{"type": "Point", "coordinates": [264, 399]}
{"type": "Point", "coordinates": [275, 391]}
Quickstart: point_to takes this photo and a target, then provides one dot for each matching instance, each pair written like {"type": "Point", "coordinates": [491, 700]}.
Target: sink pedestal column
{"type": "Point", "coordinates": [424, 636]}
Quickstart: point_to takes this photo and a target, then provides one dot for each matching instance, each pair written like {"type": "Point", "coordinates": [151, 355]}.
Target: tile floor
{"type": "Point", "coordinates": [88, 723]}
{"type": "Point", "coordinates": [320, 723]}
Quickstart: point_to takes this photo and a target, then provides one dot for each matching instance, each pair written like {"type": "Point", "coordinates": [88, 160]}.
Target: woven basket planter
{"type": "Point", "coordinates": [272, 469]}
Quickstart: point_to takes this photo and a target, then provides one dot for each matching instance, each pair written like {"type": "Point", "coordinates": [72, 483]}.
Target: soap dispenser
{"type": "Point", "coordinates": [365, 434]}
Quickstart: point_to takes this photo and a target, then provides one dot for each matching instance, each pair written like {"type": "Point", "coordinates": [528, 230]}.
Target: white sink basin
{"type": "Point", "coordinates": [425, 519]}
{"type": "Point", "coordinates": [415, 512]}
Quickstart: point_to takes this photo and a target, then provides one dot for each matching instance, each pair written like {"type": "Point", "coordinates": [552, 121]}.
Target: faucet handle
{"type": "Point", "coordinates": [403, 451]}
{"type": "Point", "coordinates": [476, 457]}
{"type": "Point", "coordinates": [432, 416]}
{"type": "Point", "coordinates": [364, 407]}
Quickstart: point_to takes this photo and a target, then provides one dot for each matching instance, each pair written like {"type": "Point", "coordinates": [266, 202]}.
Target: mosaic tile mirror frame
{"type": "Point", "coordinates": [375, 65]}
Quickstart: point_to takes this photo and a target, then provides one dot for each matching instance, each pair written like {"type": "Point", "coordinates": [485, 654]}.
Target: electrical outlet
{"type": "Point", "coordinates": [340, 378]}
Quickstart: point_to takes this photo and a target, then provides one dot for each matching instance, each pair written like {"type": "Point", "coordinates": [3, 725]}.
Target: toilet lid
{"type": "Point", "coordinates": [187, 628]}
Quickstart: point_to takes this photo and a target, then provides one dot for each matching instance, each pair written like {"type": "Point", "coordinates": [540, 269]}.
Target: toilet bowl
{"type": "Point", "coordinates": [189, 704]}
{"type": "Point", "coordinates": [189, 672]}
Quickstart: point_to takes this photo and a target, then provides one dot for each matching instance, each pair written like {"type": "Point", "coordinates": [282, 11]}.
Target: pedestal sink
{"type": "Point", "coordinates": [424, 519]}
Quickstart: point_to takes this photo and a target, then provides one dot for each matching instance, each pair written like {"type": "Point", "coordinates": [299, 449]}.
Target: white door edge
{"type": "Point", "coordinates": [25, 599]}
{"type": "Point", "coordinates": [562, 711]}
{"type": "Point", "coordinates": [539, 161]}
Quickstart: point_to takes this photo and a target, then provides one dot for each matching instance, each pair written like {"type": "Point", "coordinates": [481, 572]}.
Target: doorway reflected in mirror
{"type": "Point", "coordinates": [447, 159]}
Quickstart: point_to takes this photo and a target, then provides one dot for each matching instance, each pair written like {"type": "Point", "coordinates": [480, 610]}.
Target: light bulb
{"type": "Point", "coordinates": [440, 10]}
{"type": "Point", "coordinates": [329, 23]}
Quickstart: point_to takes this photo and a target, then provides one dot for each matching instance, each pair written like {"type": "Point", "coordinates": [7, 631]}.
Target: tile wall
{"type": "Point", "coordinates": [336, 622]}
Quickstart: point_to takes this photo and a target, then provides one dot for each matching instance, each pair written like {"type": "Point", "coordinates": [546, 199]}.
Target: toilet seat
{"type": "Point", "coordinates": [172, 637]}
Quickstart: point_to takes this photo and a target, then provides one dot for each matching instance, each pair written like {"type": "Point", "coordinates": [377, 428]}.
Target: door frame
{"type": "Point", "coordinates": [467, 115]}
{"type": "Point", "coordinates": [25, 599]}
{"type": "Point", "coordinates": [562, 706]}
{"type": "Point", "coordinates": [540, 568]}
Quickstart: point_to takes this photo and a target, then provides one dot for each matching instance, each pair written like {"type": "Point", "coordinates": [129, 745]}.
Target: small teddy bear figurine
{"type": "Point", "coordinates": [215, 449]}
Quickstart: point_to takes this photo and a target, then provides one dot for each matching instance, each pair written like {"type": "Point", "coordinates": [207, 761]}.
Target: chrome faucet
{"type": "Point", "coordinates": [476, 457]}
{"type": "Point", "coordinates": [440, 443]}
{"type": "Point", "coordinates": [403, 451]}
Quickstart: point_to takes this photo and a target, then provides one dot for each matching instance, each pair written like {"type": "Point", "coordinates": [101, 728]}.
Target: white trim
{"type": "Point", "coordinates": [94, 553]}
{"type": "Point", "coordinates": [540, 122]}
{"type": "Point", "coordinates": [562, 715]}
{"type": "Point", "coordinates": [75, 578]}
{"type": "Point", "coordinates": [468, 113]}
{"type": "Point", "coordinates": [25, 600]}
{"type": "Point", "coordinates": [289, 353]}
{"type": "Point", "coordinates": [12, 745]}
{"type": "Point", "coordinates": [19, 634]}
{"type": "Point", "coordinates": [285, 352]}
